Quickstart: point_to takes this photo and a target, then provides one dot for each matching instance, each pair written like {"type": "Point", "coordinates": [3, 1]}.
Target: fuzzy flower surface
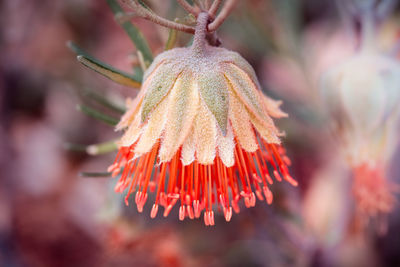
{"type": "Point", "coordinates": [200, 132]}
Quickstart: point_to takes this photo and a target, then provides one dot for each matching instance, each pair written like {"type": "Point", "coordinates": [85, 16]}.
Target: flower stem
{"type": "Point", "coordinates": [151, 16]}
{"type": "Point", "coordinates": [199, 39]}
{"type": "Point", "coordinates": [214, 8]}
{"type": "Point", "coordinates": [189, 8]}
{"type": "Point", "coordinates": [226, 10]}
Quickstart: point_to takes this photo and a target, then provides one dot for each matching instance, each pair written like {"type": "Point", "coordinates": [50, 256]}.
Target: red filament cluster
{"type": "Point", "coordinates": [198, 187]}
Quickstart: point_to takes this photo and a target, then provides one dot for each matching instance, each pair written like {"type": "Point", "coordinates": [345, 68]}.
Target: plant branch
{"type": "Point", "coordinates": [189, 8]}
{"type": "Point", "coordinates": [148, 15]}
{"type": "Point", "coordinates": [199, 4]}
{"type": "Point", "coordinates": [207, 4]}
{"type": "Point", "coordinates": [345, 16]}
{"type": "Point", "coordinates": [226, 10]}
{"type": "Point", "coordinates": [214, 8]}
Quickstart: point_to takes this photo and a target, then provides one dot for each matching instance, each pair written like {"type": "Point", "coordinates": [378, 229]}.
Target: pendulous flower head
{"type": "Point", "coordinates": [362, 96]}
{"type": "Point", "coordinates": [200, 132]}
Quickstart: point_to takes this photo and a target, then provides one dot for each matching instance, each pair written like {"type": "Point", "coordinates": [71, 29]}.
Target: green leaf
{"type": "Point", "coordinates": [74, 147]}
{"type": "Point", "coordinates": [98, 115]}
{"type": "Point", "coordinates": [106, 70]}
{"type": "Point", "coordinates": [134, 33]}
{"type": "Point", "coordinates": [102, 148]}
{"type": "Point", "coordinates": [109, 72]}
{"type": "Point", "coordinates": [103, 101]}
{"type": "Point", "coordinates": [172, 37]}
{"type": "Point", "coordinates": [77, 50]}
{"type": "Point", "coordinates": [95, 174]}
{"type": "Point", "coordinates": [95, 149]}
{"type": "Point", "coordinates": [190, 42]}
{"type": "Point", "coordinates": [138, 73]}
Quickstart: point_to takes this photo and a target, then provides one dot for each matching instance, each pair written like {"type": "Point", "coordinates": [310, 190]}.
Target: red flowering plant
{"type": "Point", "coordinates": [200, 131]}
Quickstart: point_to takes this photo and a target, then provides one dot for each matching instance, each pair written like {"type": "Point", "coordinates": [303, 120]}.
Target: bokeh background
{"type": "Point", "coordinates": [52, 216]}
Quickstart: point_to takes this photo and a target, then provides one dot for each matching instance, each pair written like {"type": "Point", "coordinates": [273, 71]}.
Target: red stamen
{"type": "Point", "coordinates": [154, 210]}
{"type": "Point", "coordinates": [199, 186]}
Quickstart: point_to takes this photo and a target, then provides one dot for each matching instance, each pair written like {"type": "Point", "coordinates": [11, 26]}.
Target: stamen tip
{"type": "Point", "coordinates": [182, 213]}
{"type": "Point", "coordinates": [154, 211]}
{"type": "Point", "coordinates": [277, 176]}
{"type": "Point", "coordinates": [228, 214]}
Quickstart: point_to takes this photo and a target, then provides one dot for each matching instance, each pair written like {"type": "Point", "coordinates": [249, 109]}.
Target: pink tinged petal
{"type": "Point", "coordinates": [245, 88]}
{"type": "Point", "coordinates": [188, 149]}
{"type": "Point", "coordinates": [226, 146]}
{"type": "Point", "coordinates": [166, 56]}
{"type": "Point", "coordinates": [214, 92]}
{"type": "Point", "coordinates": [135, 105]}
{"type": "Point", "coordinates": [153, 129]}
{"type": "Point", "coordinates": [266, 129]}
{"type": "Point", "coordinates": [182, 109]}
{"type": "Point", "coordinates": [132, 134]}
{"type": "Point", "coordinates": [364, 94]}
{"type": "Point", "coordinates": [205, 133]}
{"type": "Point", "coordinates": [272, 107]}
{"type": "Point", "coordinates": [236, 59]}
{"type": "Point", "coordinates": [158, 61]}
{"type": "Point", "coordinates": [133, 109]}
{"type": "Point", "coordinates": [160, 83]}
{"type": "Point", "coordinates": [242, 127]}
{"type": "Point", "coordinates": [247, 92]}
{"type": "Point", "coordinates": [329, 83]}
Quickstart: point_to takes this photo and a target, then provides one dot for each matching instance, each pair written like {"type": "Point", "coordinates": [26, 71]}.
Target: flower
{"type": "Point", "coordinates": [362, 96]}
{"type": "Point", "coordinates": [200, 131]}
{"type": "Point", "coordinates": [372, 192]}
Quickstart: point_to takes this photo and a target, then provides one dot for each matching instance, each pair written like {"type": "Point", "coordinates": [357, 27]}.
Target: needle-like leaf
{"type": "Point", "coordinates": [104, 101]}
{"type": "Point", "coordinates": [102, 148]}
{"type": "Point", "coordinates": [172, 37]}
{"type": "Point", "coordinates": [134, 33]}
{"type": "Point", "coordinates": [108, 71]}
{"type": "Point", "coordinates": [95, 174]}
{"type": "Point", "coordinates": [98, 115]}
{"type": "Point", "coordinates": [95, 149]}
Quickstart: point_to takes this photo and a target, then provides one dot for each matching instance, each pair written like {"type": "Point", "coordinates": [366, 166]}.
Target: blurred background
{"type": "Point", "coordinates": [52, 216]}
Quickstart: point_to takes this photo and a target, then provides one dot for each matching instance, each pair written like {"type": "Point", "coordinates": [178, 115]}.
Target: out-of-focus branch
{"type": "Point", "coordinates": [214, 8]}
{"type": "Point", "coordinates": [144, 13]}
{"type": "Point", "coordinates": [345, 16]}
{"type": "Point", "coordinates": [140, 11]}
{"type": "Point", "coordinates": [207, 4]}
{"type": "Point", "coordinates": [189, 8]}
{"type": "Point", "coordinates": [199, 4]}
{"type": "Point", "coordinates": [226, 10]}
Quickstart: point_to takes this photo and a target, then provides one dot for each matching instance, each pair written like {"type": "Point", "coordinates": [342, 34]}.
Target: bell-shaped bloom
{"type": "Point", "coordinates": [200, 132]}
{"type": "Point", "coordinates": [363, 96]}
